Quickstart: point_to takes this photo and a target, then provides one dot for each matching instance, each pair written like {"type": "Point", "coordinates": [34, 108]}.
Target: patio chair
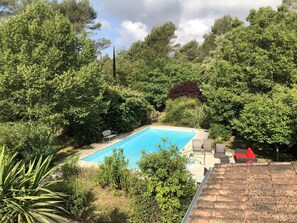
{"type": "Point", "coordinates": [220, 151]}
{"type": "Point", "coordinates": [108, 134]}
{"type": "Point", "coordinates": [207, 146]}
{"type": "Point", "coordinates": [197, 145]}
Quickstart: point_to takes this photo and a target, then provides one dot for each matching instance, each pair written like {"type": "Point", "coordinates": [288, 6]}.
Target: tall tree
{"type": "Point", "coordinates": [80, 12]}
{"type": "Point", "coordinates": [158, 43]}
{"type": "Point", "coordinates": [48, 73]}
{"type": "Point", "coordinates": [188, 52]}
{"type": "Point", "coordinates": [114, 69]}
{"type": "Point", "coordinates": [249, 64]}
{"type": "Point", "coordinates": [220, 27]}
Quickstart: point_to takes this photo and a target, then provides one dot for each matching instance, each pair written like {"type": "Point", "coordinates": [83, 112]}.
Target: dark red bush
{"type": "Point", "coordinates": [186, 89]}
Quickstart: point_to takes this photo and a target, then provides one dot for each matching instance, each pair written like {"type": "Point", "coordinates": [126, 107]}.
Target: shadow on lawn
{"type": "Point", "coordinates": [266, 152]}
{"type": "Point", "coordinates": [114, 216]}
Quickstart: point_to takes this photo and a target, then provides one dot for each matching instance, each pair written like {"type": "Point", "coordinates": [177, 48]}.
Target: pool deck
{"type": "Point", "coordinates": [197, 170]}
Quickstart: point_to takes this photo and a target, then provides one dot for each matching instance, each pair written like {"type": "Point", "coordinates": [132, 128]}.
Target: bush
{"type": "Point", "coordinates": [28, 139]}
{"type": "Point", "coordinates": [219, 132]}
{"type": "Point", "coordinates": [79, 198]}
{"type": "Point", "coordinates": [184, 112]}
{"type": "Point", "coordinates": [70, 169]}
{"type": "Point", "coordinates": [26, 193]}
{"type": "Point", "coordinates": [114, 171]}
{"type": "Point", "coordinates": [127, 110]}
{"type": "Point", "coordinates": [169, 186]}
{"type": "Point", "coordinates": [186, 89]}
{"type": "Point", "coordinates": [145, 210]}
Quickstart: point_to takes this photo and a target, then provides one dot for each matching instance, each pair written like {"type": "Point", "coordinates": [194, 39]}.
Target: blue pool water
{"type": "Point", "coordinates": [147, 140]}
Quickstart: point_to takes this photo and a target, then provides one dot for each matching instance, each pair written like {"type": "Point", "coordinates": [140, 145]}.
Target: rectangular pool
{"type": "Point", "coordinates": [147, 140]}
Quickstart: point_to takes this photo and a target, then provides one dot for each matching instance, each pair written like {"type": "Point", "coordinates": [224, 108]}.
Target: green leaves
{"type": "Point", "coordinates": [113, 172]}
{"type": "Point", "coordinates": [25, 194]}
{"type": "Point", "coordinates": [184, 112]}
{"type": "Point", "coordinates": [49, 75]}
{"type": "Point", "coordinates": [269, 120]}
{"type": "Point", "coordinates": [249, 66]}
{"type": "Point", "coordinates": [168, 183]}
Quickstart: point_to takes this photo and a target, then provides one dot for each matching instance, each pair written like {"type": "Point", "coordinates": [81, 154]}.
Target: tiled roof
{"type": "Point", "coordinates": [248, 193]}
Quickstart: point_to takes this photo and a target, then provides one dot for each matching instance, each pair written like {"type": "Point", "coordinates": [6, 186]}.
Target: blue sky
{"type": "Point", "coordinates": [126, 21]}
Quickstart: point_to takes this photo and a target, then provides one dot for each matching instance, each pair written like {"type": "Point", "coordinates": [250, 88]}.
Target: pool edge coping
{"type": "Point", "coordinates": [91, 151]}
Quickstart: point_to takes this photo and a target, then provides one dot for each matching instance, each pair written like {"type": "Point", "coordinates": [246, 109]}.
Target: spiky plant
{"type": "Point", "coordinates": [25, 194]}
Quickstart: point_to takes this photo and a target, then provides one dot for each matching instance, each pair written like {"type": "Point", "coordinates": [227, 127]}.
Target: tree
{"type": "Point", "coordinates": [220, 27]}
{"type": "Point", "coordinates": [156, 83]}
{"type": "Point", "coordinates": [114, 69]}
{"type": "Point", "coordinates": [186, 89]}
{"type": "Point", "coordinates": [26, 194]}
{"type": "Point", "coordinates": [48, 73]}
{"type": "Point", "coordinates": [127, 110]}
{"type": "Point", "coordinates": [248, 65]}
{"type": "Point", "coordinates": [270, 120]}
{"type": "Point", "coordinates": [157, 44]}
{"type": "Point", "coordinates": [79, 12]}
{"type": "Point", "coordinates": [169, 185]}
{"type": "Point", "coordinates": [188, 52]}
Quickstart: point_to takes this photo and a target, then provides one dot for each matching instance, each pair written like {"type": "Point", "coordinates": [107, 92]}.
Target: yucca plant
{"type": "Point", "coordinates": [25, 194]}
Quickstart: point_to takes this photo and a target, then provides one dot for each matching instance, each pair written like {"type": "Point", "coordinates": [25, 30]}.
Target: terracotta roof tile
{"type": "Point", "coordinates": [246, 193]}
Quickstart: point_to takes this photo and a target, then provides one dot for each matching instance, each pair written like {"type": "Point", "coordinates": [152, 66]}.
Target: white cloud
{"type": "Point", "coordinates": [130, 32]}
{"type": "Point", "coordinates": [193, 18]}
{"type": "Point", "coordinates": [191, 29]}
{"type": "Point", "coordinates": [215, 8]}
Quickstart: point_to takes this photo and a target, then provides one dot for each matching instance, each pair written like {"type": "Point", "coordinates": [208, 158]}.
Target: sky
{"type": "Point", "coordinates": [126, 21]}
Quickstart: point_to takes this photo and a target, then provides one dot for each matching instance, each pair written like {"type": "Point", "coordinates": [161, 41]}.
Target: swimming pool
{"type": "Point", "coordinates": [147, 140]}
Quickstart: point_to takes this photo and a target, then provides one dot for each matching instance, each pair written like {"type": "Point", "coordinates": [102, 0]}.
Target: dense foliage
{"type": "Point", "coordinates": [25, 191]}
{"type": "Point", "coordinates": [252, 76]}
{"type": "Point", "coordinates": [127, 109]}
{"type": "Point", "coordinates": [155, 83]}
{"type": "Point", "coordinates": [28, 139]}
{"type": "Point", "coordinates": [51, 84]}
{"type": "Point", "coordinates": [79, 12]}
{"type": "Point", "coordinates": [186, 89]}
{"type": "Point", "coordinates": [78, 191]}
{"type": "Point", "coordinates": [113, 172]}
{"type": "Point", "coordinates": [47, 72]}
{"type": "Point", "coordinates": [184, 111]}
{"type": "Point", "coordinates": [169, 185]}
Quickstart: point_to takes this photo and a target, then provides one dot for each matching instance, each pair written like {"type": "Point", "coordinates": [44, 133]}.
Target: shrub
{"type": "Point", "coordinates": [78, 191]}
{"type": "Point", "coordinates": [145, 210]}
{"type": "Point", "coordinates": [127, 110]}
{"type": "Point", "coordinates": [186, 89]}
{"type": "Point", "coordinates": [26, 195]}
{"type": "Point", "coordinates": [70, 169]}
{"type": "Point", "coordinates": [114, 172]}
{"type": "Point", "coordinates": [28, 139]}
{"type": "Point", "coordinates": [184, 112]}
{"type": "Point", "coordinates": [169, 185]}
{"type": "Point", "coordinates": [79, 196]}
{"type": "Point", "coordinates": [219, 132]}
